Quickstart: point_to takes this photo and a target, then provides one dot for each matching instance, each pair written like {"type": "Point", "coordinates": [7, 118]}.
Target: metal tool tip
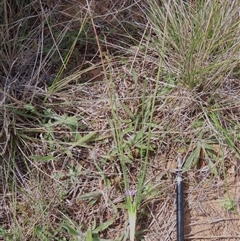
{"type": "Point", "coordinates": [179, 162]}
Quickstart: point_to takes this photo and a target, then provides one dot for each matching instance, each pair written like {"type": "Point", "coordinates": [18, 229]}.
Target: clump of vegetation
{"type": "Point", "coordinates": [97, 100]}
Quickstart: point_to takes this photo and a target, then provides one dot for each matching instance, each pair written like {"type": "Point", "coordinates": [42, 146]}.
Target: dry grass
{"type": "Point", "coordinates": [91, 92]}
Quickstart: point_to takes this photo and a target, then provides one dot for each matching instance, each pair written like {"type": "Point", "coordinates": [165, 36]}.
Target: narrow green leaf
{"type": "Point", "coordinates": [228, 204]}
{"type": "Point", "coordinates": [40, 234]}
{"type": "Point", "coordinates": [92, 202]}
{"type": "Point", "coordinates": [30, 107]}
{"type": "Point", "coordinates": [90, 195]}
{"type": "Point", "coordinates": [228, 139]}
{"type": "Point", "coordinates": [135, 78]}
{"type": "Point", "coordinates": [209, 161]}
{"type": "Point", "coordinates": [126, 159]}
{"type": "Point", "coordinates": [131, 115]}
{"type": "Point", "coordinates": [89, 235]}
{"type": "Point", "coordinates": [71, 230]}
{"type": "Point", "coordinates": [103, 226]}
{"type": "Point", "coordinates": [43, 158]}
{"type": "Point", "coordinates": [67, 120]}
{"type": "Point", "coordinates": [144, 147]}
{"type": "Point", "coordinates": [139, 136]}
{"type": "Point", "coordinates": [193, 158]}
{"type": "Point", "coordinates": [129, 129]}
{"type": "Point", "coordinates": [87, 138]}
{"type": "Point", "coordinates": [77, 136]}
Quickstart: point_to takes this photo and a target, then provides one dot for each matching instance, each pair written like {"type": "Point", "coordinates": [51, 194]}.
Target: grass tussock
{"type": "Point", "coordinates": [97, 100]}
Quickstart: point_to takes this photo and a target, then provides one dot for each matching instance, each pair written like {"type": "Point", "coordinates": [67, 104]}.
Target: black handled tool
{"type": "Point", "coordinates": [180, 200]}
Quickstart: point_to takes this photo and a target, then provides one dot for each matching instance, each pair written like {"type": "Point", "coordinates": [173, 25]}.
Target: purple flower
{"type": "Point", "coordinates": [130, 192]}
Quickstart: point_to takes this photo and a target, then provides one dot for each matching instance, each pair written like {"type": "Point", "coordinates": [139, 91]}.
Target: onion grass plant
{"type": "Point", "coordinates": [134, 195]}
